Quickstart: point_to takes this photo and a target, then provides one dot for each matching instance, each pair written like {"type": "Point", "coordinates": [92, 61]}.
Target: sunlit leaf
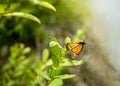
{"type": "Point", "coordinates": [56, 82]}
{"type": "Point", "coordinates": [53, 39]}
{"type": "Point", "coordinates": [68, 62]}
{"type": "Point", "coordinates": [45, 55]}
{"type": "Point", "coordinates": [66, 76]}
{"type": "Point", "coordinates": [25, 15]}
{"type": "Point", "coordinates": [2, 8]}
{"type": "Point", "coordinates": [67, 40]}
{"type": "Point", "coordinates": [26, 50]}
{"type": "Point", "coordinates": [14, 51]}
{"type": "Point", "coordinates": [45, 4]}
{"type": "Point", "coordinates": [79, 62]}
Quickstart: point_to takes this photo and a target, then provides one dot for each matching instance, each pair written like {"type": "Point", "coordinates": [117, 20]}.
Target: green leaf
{"type": "Point", "coordinates": [25, 15]}
{"type": "Point", "coordinates": [54, 43]}
{"type": "Point", "coordinates": [56, 53]}
{"type": "Point", "coordinates": [80, 62]}
{"type": "Point", "coordinates": [45, 75]}
{"type": "Point", "coordinates": [2, 8]}
{"type": "Point", "coordinates": [45, 4]}
{"type": "Point", "coordinates": [26, 50]}
{"type": "Point", "coordinates": [68, 62]}
{"type": "Point", "coordinates": [53, 39]}
{"type": "Point", "coordinates": [45, 55]}
{"type": "Point", "coordinates": [52, 72]}
{"type": "Point", "coordinates": [55, 71]}
{"type": "Point", "coordinates": [67, 40]}
{"type": "Point", "coordinates": [56, 82]}
{"type": "Point", "coordinates": [14, 50]}
{"type": "Point", "coordinates": [66, 76]}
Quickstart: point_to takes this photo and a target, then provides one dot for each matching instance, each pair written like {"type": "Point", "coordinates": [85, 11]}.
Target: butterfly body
{"type": "Point", "coordinates": [76, 47]}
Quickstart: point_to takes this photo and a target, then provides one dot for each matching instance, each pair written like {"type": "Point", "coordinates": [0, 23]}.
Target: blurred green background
{"type": "Point", "coordinates": [24, 43]}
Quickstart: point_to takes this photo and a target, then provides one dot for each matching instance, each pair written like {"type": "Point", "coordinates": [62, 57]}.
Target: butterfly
{"type": "Point", "coordinates": [76, 47]}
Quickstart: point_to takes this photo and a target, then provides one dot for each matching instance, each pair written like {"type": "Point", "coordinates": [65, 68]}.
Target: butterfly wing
{"type": "Point", "coordinates": [71, 46]}
{"type": "Point", "coordinates": [75, 48]}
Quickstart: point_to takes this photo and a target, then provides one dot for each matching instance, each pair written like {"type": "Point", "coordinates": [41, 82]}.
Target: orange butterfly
{"type": "Point", "coordinates": [76, 47]}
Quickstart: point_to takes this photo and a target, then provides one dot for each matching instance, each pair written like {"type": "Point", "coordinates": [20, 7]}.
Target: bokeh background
{"type": "Point", "coordinates": [98, 18]}
{"type": "Point", "coordinates": [106, 18]}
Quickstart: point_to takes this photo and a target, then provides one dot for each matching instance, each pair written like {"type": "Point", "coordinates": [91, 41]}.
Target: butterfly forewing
{"type": "Point", "coordinates": [76, 48]}
{"type": "Point", "coordinates": [71, 46]}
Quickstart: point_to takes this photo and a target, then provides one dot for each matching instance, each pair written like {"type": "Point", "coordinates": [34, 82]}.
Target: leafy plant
{"type": "Point", "coordinates": [59, 62]}
{"type": "Point", "coordinates": [15, 15]}
{"type": "Point", "coordinates": [23, 14]}
{"type": "Point", "coordinates": [23, 69]}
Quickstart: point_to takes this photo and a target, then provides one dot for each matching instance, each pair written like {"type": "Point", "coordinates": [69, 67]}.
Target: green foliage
{"type": "Point", "coordinates": [45, 4]}
{"type": "Point", "coordinates": [25, 15]}
{"type": "Point", "coordinates": [22, 69]}
{"type": "Point", "coordinates": [67, 40]}
{"type": "Point", "coordinates": [21, 66]}
{"type": "Point", "coordinates": [18, 67]}
{"type": "Point", "coordinates": [14, 17]}
{"type": "Point", "coordinates": [59, 62]}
